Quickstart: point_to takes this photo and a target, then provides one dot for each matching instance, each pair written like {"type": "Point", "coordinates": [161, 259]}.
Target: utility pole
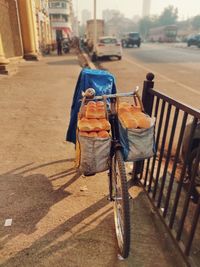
{"type": "Point", "coordinates": [77, 22]}
{"type": "Point", "coordinates": [95, 24]}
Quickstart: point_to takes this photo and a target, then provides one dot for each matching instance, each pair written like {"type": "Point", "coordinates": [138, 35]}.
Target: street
{"type": "Point", "coordinates": [55, 213]}
{"type": "Point", "coordinates": [176, 68]}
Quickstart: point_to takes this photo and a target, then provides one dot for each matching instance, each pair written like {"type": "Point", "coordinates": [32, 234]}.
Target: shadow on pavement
{"type": "Point", "coordinates": [81, 241]}
{"type": "Point", "coordinates": [27, 198]}
{"type": "Point", "coordinates": [79, 249]}
{"type": "Point", "coordinates": [64, 62]}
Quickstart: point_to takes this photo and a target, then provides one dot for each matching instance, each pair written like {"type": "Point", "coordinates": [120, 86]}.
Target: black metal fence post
{"type": "Point", "coordinates": [147, 101]}
{"type": "Point", "coordinates": [147, 98]}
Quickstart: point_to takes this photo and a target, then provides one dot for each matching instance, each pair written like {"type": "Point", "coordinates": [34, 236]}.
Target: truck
{"type": "Point", "coordinates": [131, 39]}
{"type": "Point", "coordinates": [90, 31]}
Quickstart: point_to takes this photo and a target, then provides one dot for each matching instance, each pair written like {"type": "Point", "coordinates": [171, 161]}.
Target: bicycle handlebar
{"type": "Point", "coordinates": [117, 95]}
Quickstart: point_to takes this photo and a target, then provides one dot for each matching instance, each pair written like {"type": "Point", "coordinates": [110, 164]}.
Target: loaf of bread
{"type": "Point", "coordinates": [105, 125]}
{"type": "Point", "coordinates": [128, 120]}
{"type": "Point", "coordinates": [103, 134]}
{"type": "Point", "coordinates": [91, 104]}
{"type": "Point", "coordinates": [95, 111]}
{"type": "Point", "coordinates": [83, 133]}
{"type": "Point", "coordinates": [132, 117]}
{"type": "Point", "coordinates": [100, 112]}
{"type": "Point", "coordinates": [85, 125]}
{"type": "Point", "coordinates": [92, 134]}
{"type": "Point", "coordinates": [100, 104]}
{"type": "Point", "coordinates": [144, 121]}
{"type": "Point", "coordinates": [126, 107]}
{"type": "Point", "coordinates": [89, 125]}
{"type": "Point", "coordinates": [100, 134]}
{"type": "Point", "coordinates": [96, 125]}
{"type": "Point", "coordinates": [91, 112]}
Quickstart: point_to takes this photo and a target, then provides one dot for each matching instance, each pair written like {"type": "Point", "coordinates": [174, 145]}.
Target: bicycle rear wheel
{"type": "Point", "coordinates": [121, 203]}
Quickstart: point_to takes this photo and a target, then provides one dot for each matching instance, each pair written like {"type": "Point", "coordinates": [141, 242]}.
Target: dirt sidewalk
{"type": "Point", "coordinates": [60, 218]}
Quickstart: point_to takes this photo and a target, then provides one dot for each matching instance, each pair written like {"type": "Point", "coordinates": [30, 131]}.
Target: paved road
{"type": "Point", "coordinates": [176, 70]}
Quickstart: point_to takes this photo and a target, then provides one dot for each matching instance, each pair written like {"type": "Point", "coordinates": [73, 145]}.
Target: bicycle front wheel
{"type": "Point", "coordinates": [121, 204]}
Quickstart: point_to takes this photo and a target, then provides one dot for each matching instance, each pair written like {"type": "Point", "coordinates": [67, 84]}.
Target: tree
{"type": "Point", "coordinates": [168, 16]}
{"type": "Point", "coordinates": [196, 22]}
{"type": "Point", "coordinates": [146, 23]}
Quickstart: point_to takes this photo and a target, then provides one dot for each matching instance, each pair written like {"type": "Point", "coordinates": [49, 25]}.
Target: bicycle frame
{"type": "Point", "coordinates": [115, 144]}
{"type": "Point", "coordinates": [113, 119]}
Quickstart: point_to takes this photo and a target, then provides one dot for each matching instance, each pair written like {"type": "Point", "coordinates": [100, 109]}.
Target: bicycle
{"type": "Point", "coordinates": [118, 188]}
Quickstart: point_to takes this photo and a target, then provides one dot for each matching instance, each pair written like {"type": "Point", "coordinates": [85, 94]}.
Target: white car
{"type": "Point", "coordinates": [107, 46]}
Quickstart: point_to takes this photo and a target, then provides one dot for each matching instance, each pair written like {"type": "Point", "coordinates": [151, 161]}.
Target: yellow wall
{"type": "Point", "coordinates": [10, 29]}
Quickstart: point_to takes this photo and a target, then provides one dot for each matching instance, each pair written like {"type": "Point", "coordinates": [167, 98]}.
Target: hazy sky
{"type": "Point", "coordinates": [129, 8]}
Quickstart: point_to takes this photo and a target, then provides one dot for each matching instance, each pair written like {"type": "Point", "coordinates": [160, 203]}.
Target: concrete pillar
{"type": "Point", "coordinates": [3, 60]}
{"type": "Point", "coordinates": [35, 31]}
{"type": "Point", "coordinates": [28, 29]}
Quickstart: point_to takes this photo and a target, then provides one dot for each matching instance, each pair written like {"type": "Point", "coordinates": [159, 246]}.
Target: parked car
{"type": "Point", "coordinates": [131, 39]}
{"type": "Point", "coordinates": [107, 46]}
{"type": "Point", "coordinates": [193, 152]}
{"type": "Point", "coordinates": [194, 40]}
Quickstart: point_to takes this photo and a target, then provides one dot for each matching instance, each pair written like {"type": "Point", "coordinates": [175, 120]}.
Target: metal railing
{"type": "Point", "coordinates": [166, 178]}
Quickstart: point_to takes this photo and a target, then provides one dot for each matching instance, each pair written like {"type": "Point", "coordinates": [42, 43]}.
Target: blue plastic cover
{"type": "Point", "coordinates": [102, 81]}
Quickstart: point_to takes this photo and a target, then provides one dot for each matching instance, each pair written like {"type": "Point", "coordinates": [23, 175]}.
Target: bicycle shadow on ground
{"type": "Point", "coordinates": [71, 243]}
{"type": "Point", "coordinates": [26, 198]}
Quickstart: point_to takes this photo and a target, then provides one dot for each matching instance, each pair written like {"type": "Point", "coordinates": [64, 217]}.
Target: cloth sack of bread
{"type": "Point", "coordinates": [137, 143]}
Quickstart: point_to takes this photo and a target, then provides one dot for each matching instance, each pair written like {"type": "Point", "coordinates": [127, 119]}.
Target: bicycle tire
{"type": "Point", "coordinates": [121, 204]}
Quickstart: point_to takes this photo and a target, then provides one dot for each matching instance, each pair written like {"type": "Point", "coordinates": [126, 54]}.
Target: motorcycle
{"type": "Point", "coordinates": [66, 47]}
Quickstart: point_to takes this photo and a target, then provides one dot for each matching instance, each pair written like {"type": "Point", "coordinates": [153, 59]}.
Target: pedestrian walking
{"type": "Point", "coordinates": [59, 46]}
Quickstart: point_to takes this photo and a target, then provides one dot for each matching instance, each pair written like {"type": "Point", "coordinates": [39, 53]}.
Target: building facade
{"type": "Point", "coordinates": [25, 30]}
{"type": "Point", "coordinates": [85, 15]}
{"type": "Point", "coordinates": [60, 17]}
{"type": "Point", "coordinates": [43, 24]}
